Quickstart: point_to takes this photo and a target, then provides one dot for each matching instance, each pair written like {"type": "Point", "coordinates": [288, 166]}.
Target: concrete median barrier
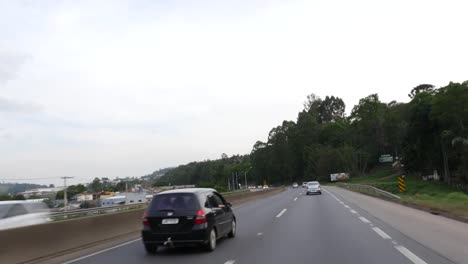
{"type": "Point", "coordinates": [40, 242]}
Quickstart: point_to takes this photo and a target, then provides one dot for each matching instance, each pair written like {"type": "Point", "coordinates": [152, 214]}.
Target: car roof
{"type": "Point", "coordinates": [314, 182]}
{"type": "Point", "coordinates": [188, 190]}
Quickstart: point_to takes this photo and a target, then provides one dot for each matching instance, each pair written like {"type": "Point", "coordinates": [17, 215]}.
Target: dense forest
{"type": "Point", "coordinates": [426, 134]}
{"type": "Point", "coordinates": [209, 173]}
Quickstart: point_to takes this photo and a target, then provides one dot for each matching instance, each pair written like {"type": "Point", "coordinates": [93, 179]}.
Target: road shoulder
{"type": "Point", "coordinates": [443, 235]}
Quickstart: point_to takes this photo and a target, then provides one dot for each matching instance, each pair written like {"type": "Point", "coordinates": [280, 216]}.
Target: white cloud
{"type": "Point", "coordinates": [7, 105]}
{"type": "Point", "coordinates": [131, 86]}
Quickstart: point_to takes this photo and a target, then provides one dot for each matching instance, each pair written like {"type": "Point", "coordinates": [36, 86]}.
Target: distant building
{"type": "Point", "coordinates": [84, 197]}
{"type": "Point", "coordinates": [113, 201]}
{"type": "Point", "coordinates": [41, 192]}
{"type": "Point", "coordinates": [129, 198]}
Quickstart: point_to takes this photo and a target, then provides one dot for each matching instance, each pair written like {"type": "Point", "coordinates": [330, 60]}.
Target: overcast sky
{"type": "Point", "coordinates": [122, 88]}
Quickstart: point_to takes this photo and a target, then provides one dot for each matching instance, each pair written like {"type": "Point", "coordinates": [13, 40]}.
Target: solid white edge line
{"type": "Point", "coordinates": [364, 220]}
{"type": "Point", "coordinates": [346, 206]}
{"type": "Point", "coordinates": [230, 262]}
{"type": "Point", "coordinates": [353, 211]}
{"type": "Point", "coordinates": [410, 255]}
{"type": "Point", "coordinates": [381, 233]}
{"type": "Point", "coordinates": [102, 251]}
{"type": "Point", "coordinates": [281, 213]}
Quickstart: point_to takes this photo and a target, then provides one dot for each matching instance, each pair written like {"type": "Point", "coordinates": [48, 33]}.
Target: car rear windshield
{"type": "Point", "coordinates": [174, 201]}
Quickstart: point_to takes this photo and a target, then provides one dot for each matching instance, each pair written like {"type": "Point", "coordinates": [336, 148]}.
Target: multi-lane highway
{"type": "Point", "coordinates": [291, 227]}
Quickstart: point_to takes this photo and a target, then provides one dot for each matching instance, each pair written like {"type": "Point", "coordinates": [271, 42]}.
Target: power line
{"type": "Point", "coordinates": [26, 179]}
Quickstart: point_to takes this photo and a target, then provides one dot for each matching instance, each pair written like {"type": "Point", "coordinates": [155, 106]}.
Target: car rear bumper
{"type": "Point", "coordinates": [193, 237]}
{"type": "Point", "coordinates": [313, 191]}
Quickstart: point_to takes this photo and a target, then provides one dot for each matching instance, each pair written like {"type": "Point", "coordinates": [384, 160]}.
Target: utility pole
{"type": "Point", "coordinates": [126, 191]}
{"type": "Point", "coordinates": [237, 181]}
{"type": "Point", "coordinates": [245, 176]}
{"type": "Point", "coordinates": [233, 182]}
{"type": "Point", "coordinates": [245, 179]}
{"type": "Point", "coordinates": [65, 203]}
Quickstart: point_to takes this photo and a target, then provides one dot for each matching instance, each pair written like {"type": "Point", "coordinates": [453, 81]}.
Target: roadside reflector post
{"type": "Point", "coordinates": [401, 183]}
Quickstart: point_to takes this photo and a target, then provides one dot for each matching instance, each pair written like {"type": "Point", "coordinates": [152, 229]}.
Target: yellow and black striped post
{"type": "Point", "coordinates": [401, 183]}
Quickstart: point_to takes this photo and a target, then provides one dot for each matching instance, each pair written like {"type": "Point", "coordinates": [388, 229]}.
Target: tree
{"type": "Point", "coordinates": [312, 103]}
{"type": "Point", "coordinates": [51, 186]}
{"type": "Point", "coordinates": [19, 197]}
{"type": "Point", "coordinates": [331, 109]}
{"type": "Point", "coordinates": [120, 187]}
{"type": "Point", "coordinates": [450, 107]}
{"type": "Point", "coordinates": [422, 88]}
{"type": "Point", "coordinates": [72, 190]}
{"type": "Point", "coordinates": [96, 185]}
{"type": "Point", "coordinates": [367, 123]}
{"type": "Point", "coordinates": [419, 155]}
{"type": "Point", "coordinates": [5, 197]}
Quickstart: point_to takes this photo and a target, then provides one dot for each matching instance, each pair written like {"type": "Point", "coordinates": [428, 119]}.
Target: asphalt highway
{"type": "Point", "coordinates": [291, 227]}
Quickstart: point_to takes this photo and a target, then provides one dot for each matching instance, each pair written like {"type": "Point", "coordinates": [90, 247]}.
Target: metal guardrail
{"type": "Point", "coordinates": [368, 189]}
{"type": "Point", "coordinates": [95, 211]}
{"type": "Point", "coordinates": [60, 216]}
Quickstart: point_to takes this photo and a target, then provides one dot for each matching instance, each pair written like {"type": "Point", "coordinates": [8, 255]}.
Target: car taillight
{"type": "Point", "coordinates": [145, 219]}
{"type": "Point", "coordinates": [200, 218]}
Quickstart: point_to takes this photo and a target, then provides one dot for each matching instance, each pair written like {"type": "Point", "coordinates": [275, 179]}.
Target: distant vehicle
{"type": "Point", "coordinates": [259, 187]}
{"type": "Point", "coordinates": [339, 176]}
{"type": "Point", "coordinates": [196, 216]}
{"type": "Point", "coordinates": [304, 184]}
{"type": "Point", "coordinates": [252, 187]}
{"type": "Point", "coordinates": [313, 187]}
{"type": "Point", "coordinates": [295, 185]}
{"type": "Point", "coordinates": [265, 187]}
{"type": "Point", "coordinates": [23, 213]}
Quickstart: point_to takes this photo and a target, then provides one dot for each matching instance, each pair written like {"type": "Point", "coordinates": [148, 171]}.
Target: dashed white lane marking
{"type": "Point", "coordinates": [346, 206]}
{"type": "Point", "coordinates": [331, 194]}
{"type": "Point", "coordinates": [295, 199]}
{"type": "Point", "coordinates": [381, 233]}
{"type": "Point", "coordinates": [364, 220]}
{"type": "Point", "coordinates": [281, 213]}
{"type": "Point", "coordinates": [259, 234]}
{"type": "Point", "coordinates": [230, 262]}
{"type": "Point", "coordinates": [410, 255]}
{"type": "Point", "coordinates": [342, 203]}
{"type": "Point", "coordinates": [102, 251]}
{"type": "Point", "coordinates": [352, 211]}
{"type": "Point", "coordinates": [394, 242]}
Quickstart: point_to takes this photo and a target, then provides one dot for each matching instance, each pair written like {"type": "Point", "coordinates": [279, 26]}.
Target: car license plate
{"type": "Point", "coordinates": [170, 221]}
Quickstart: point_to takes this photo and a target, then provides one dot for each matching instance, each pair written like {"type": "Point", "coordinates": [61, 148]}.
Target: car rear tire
{"type": "Point", "coordinates": [233, 229]}
{"type": "Point", "coordinates": [151, 249]}
{"type": "Point", "coordinates": [211, 245]}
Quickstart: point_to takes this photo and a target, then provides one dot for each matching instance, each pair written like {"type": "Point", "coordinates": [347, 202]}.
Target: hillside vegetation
{"type": "Point", "coordinates": [428, 133]}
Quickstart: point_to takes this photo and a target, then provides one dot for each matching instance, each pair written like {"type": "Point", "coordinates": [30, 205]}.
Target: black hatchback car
{"type": "Point", "coordinates": [196, 216]}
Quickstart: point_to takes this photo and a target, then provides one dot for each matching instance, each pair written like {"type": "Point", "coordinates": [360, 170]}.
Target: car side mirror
{"type": "Point", "coordinates": [228, 204]}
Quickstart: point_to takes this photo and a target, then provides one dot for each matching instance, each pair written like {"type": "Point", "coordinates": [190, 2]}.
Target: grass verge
{"type": "Point", "coordinates": [435, 197]}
